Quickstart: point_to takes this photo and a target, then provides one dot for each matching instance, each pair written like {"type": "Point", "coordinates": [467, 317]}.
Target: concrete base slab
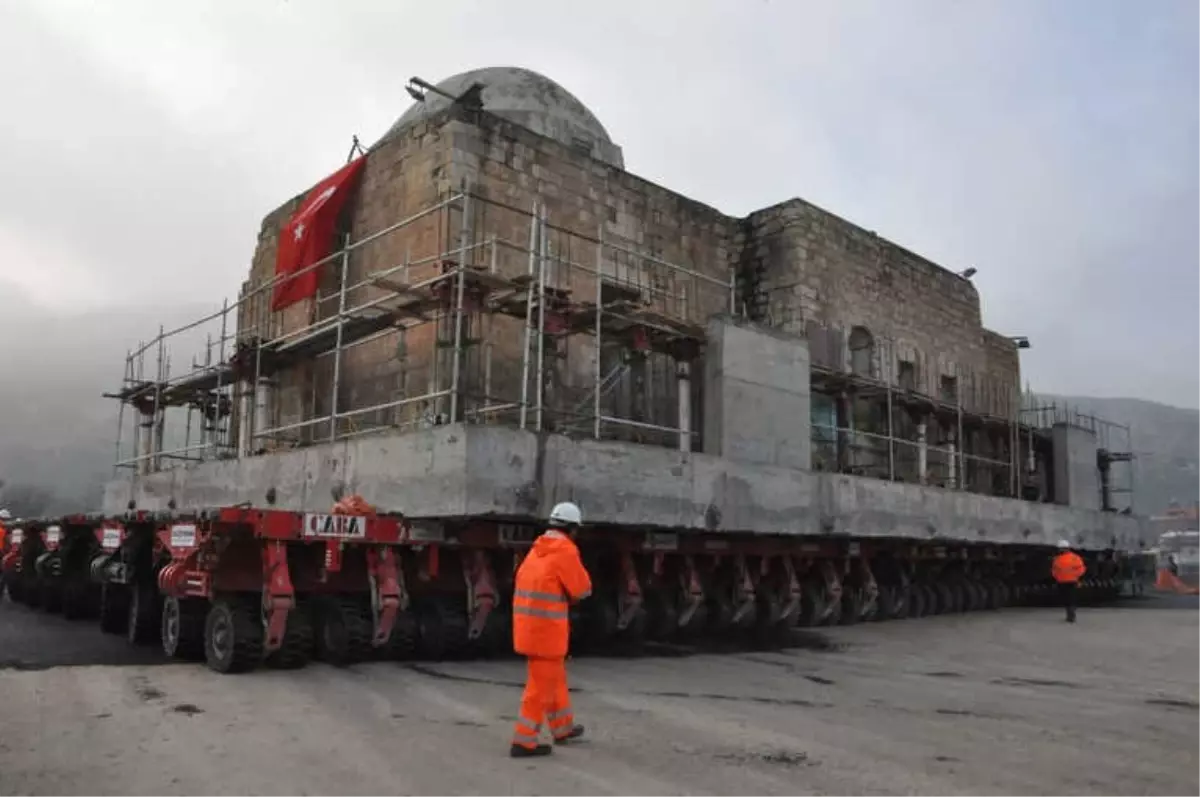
{"type": "Point", "coordinates": [484, 471]}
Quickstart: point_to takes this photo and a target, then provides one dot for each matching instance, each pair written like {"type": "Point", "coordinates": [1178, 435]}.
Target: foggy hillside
{"type": "Point", "coordinates": [57, 432]}
{"type": "Point", "coordinates": [1166, 441]}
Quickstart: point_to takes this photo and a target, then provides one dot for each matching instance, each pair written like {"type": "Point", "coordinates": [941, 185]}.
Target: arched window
{"type": "Point", "coordinates": [862, 352]}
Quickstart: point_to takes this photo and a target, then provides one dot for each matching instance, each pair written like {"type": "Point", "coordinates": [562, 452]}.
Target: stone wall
{"type": "Point", "coordinates": [807, 271]}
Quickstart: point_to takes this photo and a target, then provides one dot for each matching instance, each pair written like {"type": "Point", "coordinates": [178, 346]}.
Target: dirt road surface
{"type": "Point", "coordinates": [1016, 702]}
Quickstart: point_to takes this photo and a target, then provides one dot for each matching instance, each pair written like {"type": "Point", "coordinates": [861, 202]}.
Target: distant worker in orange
{"type": "Point", "coordinates": [1067, 569]}
{"type": "Point", "coordinates": [549, 580]}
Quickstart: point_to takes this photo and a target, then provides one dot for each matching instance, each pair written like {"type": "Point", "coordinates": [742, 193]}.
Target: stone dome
{"type": "Point", "coordinates": [528, 99]}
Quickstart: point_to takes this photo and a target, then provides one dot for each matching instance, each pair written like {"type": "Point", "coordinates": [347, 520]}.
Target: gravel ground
{"type": "Point", "coordinates": [1016, 702]}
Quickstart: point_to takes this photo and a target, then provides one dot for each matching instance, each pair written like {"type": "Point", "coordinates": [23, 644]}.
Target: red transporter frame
{"type": "Point", "coordinates": [239, 586]}
{"type": "Point", "coordinates": [10, 563]}
{"type": "Point", "coordinates": [246, 565]}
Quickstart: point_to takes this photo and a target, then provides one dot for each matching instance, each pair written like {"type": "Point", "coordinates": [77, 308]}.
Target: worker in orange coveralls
{"type": "Point", "coordinates": [549, 580]}
{"type": "Point", "coordinates": [1067, 569]}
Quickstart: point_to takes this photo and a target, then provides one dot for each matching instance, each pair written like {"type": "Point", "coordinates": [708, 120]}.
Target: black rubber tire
{"type": "Point", "coordinates": [945, 598]}
{"type": "Point", "coordinates": [812, 604]}
{"type": "Point", "coordinates": [768, 631]}
{"type": "Point", "coordinates": [402, 645]}
{"type": "Point", "coordinates": [114, 608]}
{"type": "Point", "coordinates": [633, 636]}
{"type": "Point", "coordinates": [297, 647]}
{"type": "Point", "coordinates": [74, 603]}
{"type": "Point", "coordinates": [442, 629]}
{"type": "Point", "coordinates": [916, 601]}
{"type": "Point", "coordinates": [662, 615]}
{"type": "Point", "coordinates": [851, 606]}
{"type": "Point", "coordinates": [886, 603]}
{"type": "Point", "coordinates": [967, 601]}
{"type": "Point", "coordinates": [51, 595]}
{"type": "Point", "coordinates": [183, 628]}
{"type": "Point", "coordinates": [720, 613]}
{"type": "Point", "coordinates": [496, 639]}
{"type": "Point", "coordinates": [233, 636]}
{"type": "Point", "coordinates": [145, 615]}
{"type": "Point", "coordinates": [342, 630]}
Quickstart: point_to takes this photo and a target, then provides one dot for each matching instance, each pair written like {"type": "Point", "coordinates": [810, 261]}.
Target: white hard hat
{"type": "Point", "coordinates": [1064, 544]}
{"type": "Point", "coordinates": [567, 514]}
{"type": "Point", "coordinates": [5, 514]}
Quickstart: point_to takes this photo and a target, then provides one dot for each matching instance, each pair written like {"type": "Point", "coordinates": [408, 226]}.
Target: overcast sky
{"type": "Point", "coordinates": [1051, 145]}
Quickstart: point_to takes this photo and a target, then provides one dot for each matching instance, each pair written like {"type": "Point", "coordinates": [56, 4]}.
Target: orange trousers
{"type": "Point", "coordinates": [545, 700]}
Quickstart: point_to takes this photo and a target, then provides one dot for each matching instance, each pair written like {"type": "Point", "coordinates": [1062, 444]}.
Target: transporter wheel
{"type": "Point", "coordinates": [297, 647]}
{"type": "Point", "coordinates": [944, 598]}
{"type": "Point", "coordinates": [75, 599]}
{"type": "Point", "coordinates": [233, 636]}
{"type": "Point", "coordinates": [767, 630]}
{"type": "Point", "coordinates": [342, 631]}
{"type": "Point", "coordinates": [442, 628]}
{"type": "Point", "coordinates": [932, 600]}
{"type": "Point", "coordinates": [720, 612]}
{"type": "Point", "coordinates": [51, 595]}
{"type": "Point", "coordinates": [597, 624]}
{"type": "Point", "coordinates": [632, 637]}
{"type": "Point", "coordinates": [886, 603]}
{"type": "Point", "coordinates": [812, 604]}
{"type": "Point", "coordinates": [968, 597]}
{"type": "Point", "coordinates": [852, 606]}
{"type": "Point", "coordinates": [145, 615]}
{"type": "Point", "coordinates": [981, 594]}
{"type": "Point", "coordinates": [114, 608]}
{"type": "Point", "coordinates": [662, 615]}
{"type": "Point", "coordinates": [916, 601]}
{"type": "Point", "coordinates": [993, 589]}
{"type": "Point", "coordinates": [32, 590]}
{"type": "Point", "coordinates": [696, 624]}
{"type": "Point", "coordinates": [496, 637]}
{"type": "Point", "coordinates": [183, 628]}
{"type": "Point", "coordinates": [12, 585]}
{"type": "Point", "coordinates": [402, 644]}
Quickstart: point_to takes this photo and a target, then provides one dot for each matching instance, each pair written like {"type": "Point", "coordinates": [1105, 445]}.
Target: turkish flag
{"type": "Point", "coordinates": [308, 236]}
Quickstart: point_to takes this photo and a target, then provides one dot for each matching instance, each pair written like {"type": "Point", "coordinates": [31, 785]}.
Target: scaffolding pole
{"type": "Point", "coordinates": [597, 421]}
{"type": "Point", "coordinates": [541, 327]}
{"type": "Point", "coordinates": [890, 430]}
{"type": "Point", "coordinates": [533, 237]}
{"type": "Point", "coordinates": [464, 237]}
{"type": "Point", "coordinates": [335, 389]}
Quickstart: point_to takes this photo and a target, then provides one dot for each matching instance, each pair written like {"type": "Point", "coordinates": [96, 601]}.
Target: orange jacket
{"type": "Point", "coordinates": [549, 579]}
{"type": "Point", "coordinates": [1068, 568]}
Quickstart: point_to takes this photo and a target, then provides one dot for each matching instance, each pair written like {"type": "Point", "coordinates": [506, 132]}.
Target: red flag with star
{"type": "Point", "coordinates": [308, 236]}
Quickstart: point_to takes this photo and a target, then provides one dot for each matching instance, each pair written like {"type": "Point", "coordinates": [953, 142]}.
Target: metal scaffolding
{"type": "Point", "coordinates": [601, 334]}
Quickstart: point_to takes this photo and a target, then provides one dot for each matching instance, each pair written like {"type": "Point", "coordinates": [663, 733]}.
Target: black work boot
{"type": "Point", "coordinates": [575, 732]}
{"type": "Point", "coordinates": [520, 751]}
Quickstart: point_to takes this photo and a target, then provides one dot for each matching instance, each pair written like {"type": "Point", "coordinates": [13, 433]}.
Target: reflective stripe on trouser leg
{"type": "Point", "coordinates": [525, 732]}
{"type": "Point", "coordinates": [559, 716]}
{"type": "Point", "coordinates": [533, 708]}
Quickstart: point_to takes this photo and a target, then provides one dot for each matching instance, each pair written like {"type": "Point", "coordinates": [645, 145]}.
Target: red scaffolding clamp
{"type": "Point", "coordinates": [279, 597]}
